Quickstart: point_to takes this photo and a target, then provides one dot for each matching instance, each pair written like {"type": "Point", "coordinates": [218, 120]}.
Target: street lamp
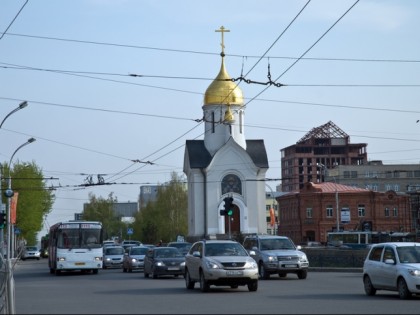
{"type": "Point", "coordinates": [324, 169]}
{"type": "Point", "coordinates": [21, 105]}
{"type": "Point", "coordinates": [9, 270]}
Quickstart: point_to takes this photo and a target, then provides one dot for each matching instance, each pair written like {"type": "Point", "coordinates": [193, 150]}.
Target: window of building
{"type": "Point", "coordinates": [231, 183]}
{"type": "Point", "coordinates": [346, 174]}
{"type": "Point", "coordinates": [309, 213]}
{"type": "Point", "coordinates": [388, 187]}
{"type": "Point", "coordinates": [416, 173]}
{"type": "Point", "coordinates": [388, 174]}
{"type": "Point", "coordinates": [395, 212]}
{"type": "Point", "coordinates": [361, 211]}
{"type": "Point", "coordinates": [396, 187]}
{"type": "Point", "coordinates": [387, 212]}
{"type": "Point", "coordinates": [353, 174]}
{"type": "Point", "coordinates": [329, 211]}
{"type": "Point", "coordinates": [396, 174]}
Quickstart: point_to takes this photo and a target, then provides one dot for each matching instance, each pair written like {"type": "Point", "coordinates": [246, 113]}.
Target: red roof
{"type": "Point", "coordinates": [329, 187]}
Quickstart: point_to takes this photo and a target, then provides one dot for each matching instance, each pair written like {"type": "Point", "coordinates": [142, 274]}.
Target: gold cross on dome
{"type": "Point", "coordinates": [222, 30]}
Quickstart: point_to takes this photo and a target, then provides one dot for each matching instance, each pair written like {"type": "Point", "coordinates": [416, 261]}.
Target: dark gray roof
{"type": "Point", "coordinates": [201, 158]}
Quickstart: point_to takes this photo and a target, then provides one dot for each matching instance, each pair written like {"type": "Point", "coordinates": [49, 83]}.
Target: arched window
{"type": "Point", "coordinates": [231, 183]}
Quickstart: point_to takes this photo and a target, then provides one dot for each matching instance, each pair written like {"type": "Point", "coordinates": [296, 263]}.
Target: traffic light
{"type": "Point", "coordinates": [228, 207]}
{"type": "Point", "coordinates": [3, 219]}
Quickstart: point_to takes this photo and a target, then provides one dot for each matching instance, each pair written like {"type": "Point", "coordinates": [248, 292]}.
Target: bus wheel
{"type": "Point", "coordinates": [95, 271]}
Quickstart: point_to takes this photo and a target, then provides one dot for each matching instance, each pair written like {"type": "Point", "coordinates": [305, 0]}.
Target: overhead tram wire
{"type": "Point", "coordinates": [306, 51]}
{"type": "Point", "coordinates": [10, 24]}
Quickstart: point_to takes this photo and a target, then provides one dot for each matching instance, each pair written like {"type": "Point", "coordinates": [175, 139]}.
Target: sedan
{"type": "Point", "coordinates": [393, 266]}
{"type": "Point", "coordinates": [134, 258]}
{"type": "Point", "coordinates": [113, 257]}
{"type": "Point", "coordinates": [164, 261]}
{"type": "Point", "coordinates": [31, 252]}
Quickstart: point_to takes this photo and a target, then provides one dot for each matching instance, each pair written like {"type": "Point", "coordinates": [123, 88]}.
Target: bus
{"type": "Point", "coordinates": [75, 245]}
{"type": "Point", "coordinates": [362, 239]}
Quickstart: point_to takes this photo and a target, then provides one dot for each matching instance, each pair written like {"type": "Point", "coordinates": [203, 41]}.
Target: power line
{"type": "Point", "coordinates": [10, 24]}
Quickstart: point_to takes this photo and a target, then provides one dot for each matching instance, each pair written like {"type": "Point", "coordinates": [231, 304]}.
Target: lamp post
{"type": "Point", "coordinates": [324, 168]}
{"type": "Point", "coordinates": [10, 250]}
{"type": "Point", "coordinates": [21, 106]}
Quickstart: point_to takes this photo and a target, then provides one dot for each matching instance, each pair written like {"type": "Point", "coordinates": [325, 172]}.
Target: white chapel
{"type": "Point", "coordinates": [225, 164]}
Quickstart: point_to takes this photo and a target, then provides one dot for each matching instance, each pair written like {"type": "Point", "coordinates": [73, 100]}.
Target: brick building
{"type": "Point", "coordinates": [310, 213]}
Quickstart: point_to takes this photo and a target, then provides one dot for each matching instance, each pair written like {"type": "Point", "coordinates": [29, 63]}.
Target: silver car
{"type": "Point", "coordinates": [220, 263]}
{"type": "Point", "coordinates": [113, 257]}
{"type": "Point", "coordinates": [134, 258]}
{"type": "Point", "coordinates": [393, 266]}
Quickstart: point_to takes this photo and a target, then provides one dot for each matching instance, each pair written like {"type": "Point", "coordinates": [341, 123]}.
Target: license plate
{"type": "Point", "coordinates": [234, 273]}
{"type": "Point", "coordinates": [290, 266]}
{"type": "Point", "coordinates": [173, 268]}
{"type": "Point", "coordinates": [79, 263]}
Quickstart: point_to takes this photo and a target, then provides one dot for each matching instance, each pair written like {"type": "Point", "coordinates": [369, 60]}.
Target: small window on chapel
{"type": "Point", "coordinates": [231, 183]}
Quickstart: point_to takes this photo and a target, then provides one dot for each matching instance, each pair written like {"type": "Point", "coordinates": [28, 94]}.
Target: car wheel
{"type": "Point", "coordinates": [188, 283]}
{"type": "Point", "coordinates": [154, 274]}
{"type": "Point", "coordinates": [234, 286]}
{"type": "Point", "coordinates": [204, 285]}
{"type": "Point", "coordinates": [369, 289]}
{"type": "Point", "coordinates": [253, 286]}
{"type": "Point", "coordinates": [302, 274]}
{"type": "Point", "coordinates": [282, 275]}
{"type": "Point", "coordinates": [146, 275]}
{"type": "Point", "coordinates": [262, 272]}
{"type": "Point", "coordinates": [403, 291]}
{"type": "Point", "coordinates": [124, 269]}
{"type": "Point", "coordinates": [130, 270]}
{"type": "Point", "coordinates": [95, 271]}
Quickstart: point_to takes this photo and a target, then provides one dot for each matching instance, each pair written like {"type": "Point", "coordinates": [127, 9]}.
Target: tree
{"type": "Point", "coordinates": [100, 209]}
{"type": "Point", "coordinates": [167, 216]}
{"type": "Point", "coordinates": [34, 201]}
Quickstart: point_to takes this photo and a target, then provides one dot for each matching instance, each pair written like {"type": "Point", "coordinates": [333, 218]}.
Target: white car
{"type": "Point", "coordinates": [31, 252]}
{"type": "Point", "coordinates": [393, 266]}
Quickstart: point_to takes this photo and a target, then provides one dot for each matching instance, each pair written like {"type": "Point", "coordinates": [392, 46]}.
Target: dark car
{"type": "Point", "coordinates": [164, 261]}
{"type": "Point", "coordinates": [134, 258]}
{"type": "Point", "coordinates": [183, 247]}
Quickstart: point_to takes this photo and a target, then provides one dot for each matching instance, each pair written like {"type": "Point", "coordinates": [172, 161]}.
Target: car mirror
{"type": "Point", "coordinates": [389, 261]}
{"type": "Point", "coordinates": [254, 248]}
{"type": "Point", "coordinates": [196, 254]}
{"type": "Point", "coordinates": [252, 252]}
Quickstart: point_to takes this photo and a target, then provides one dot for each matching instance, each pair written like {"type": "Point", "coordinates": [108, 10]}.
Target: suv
{"type": "Point", "coordinates": [220, 263]}
{"type": "Point", "coordinates": [276, 254]}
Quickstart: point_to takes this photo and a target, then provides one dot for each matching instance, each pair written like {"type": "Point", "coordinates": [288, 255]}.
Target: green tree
{"type": "Point", "coordinates": [34, 198]}
{"type": "Point", "coordinates": [101, 209]}
{"type": "Point", "coordinates": [167, 216]}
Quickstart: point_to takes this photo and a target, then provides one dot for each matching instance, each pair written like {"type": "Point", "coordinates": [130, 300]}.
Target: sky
{"type": "Point", "coordinates": [115, 88]}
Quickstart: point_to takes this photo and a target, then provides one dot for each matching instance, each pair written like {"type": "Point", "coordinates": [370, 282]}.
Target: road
{"type": "Point", "coordinates": [114, 292]}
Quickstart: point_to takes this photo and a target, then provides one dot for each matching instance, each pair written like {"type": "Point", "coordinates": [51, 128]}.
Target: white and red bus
{"type": "Point", "coordinates": [75, 245]}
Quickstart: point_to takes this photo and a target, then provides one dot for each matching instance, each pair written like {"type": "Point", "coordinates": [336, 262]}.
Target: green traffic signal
{"type": "Point", "coordinates": [230, 212]}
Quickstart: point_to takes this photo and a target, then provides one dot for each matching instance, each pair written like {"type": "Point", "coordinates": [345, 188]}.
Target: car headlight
{"type": "Point", "coordinates": [303, 258]}
{"type": "Point", "coordinates": [250, 265]}
{"type": "Point", "coordinates": [212, 264]}
{"type": "Point", "coordinates": [108, 259]}
{"type": "Point", "coordinates": [98, 258]}
{"type": "Point", "coordinates": [414, 272]}
{"type": "Point", "coordinates": [182, 264]}
{"type": "Point", "coordinates": [160, 263]}
{"type": "Point", "coordinates": [272, 258]}
{"type": "Point", "coordinates": [133, 260]}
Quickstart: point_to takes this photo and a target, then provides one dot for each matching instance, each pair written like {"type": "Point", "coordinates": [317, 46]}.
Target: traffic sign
{"type": "Point", "coordinates": [130, 231]}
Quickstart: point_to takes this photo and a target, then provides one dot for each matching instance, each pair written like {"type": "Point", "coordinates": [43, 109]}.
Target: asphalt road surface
{"type": "Point", "coordinates": [113, 292]}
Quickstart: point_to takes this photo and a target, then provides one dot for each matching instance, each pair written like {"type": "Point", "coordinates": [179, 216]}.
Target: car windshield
{"type": "Point", "coordinates": [227, 249]}
{"type": "Point", "coordinates": [138, 251]}
{"type": "Point", "coordinates": [168, 253]}
{"type": "Point", "coordinates": [31, 248]}
{"type": "Point", "coordinates": [270, 244]}
{"type": "Point", "coordinates": [114, 251]}
{"type": "Point", "coordinates": [409, 254]}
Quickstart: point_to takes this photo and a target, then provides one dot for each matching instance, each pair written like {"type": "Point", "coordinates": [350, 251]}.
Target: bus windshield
{"type": "Point", "coordinates": [76, 237]}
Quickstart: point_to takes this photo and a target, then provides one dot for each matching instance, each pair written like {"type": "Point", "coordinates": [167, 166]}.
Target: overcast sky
{"type": "Point", "coordinates": [355, 63]}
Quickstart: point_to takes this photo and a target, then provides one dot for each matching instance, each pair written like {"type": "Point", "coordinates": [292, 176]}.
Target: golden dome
{"type": "Point", "coordinates": [223, 90]}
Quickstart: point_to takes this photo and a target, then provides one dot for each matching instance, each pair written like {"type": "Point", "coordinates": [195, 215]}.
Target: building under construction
{"type": "Point", "coordinates": [320, 149]}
